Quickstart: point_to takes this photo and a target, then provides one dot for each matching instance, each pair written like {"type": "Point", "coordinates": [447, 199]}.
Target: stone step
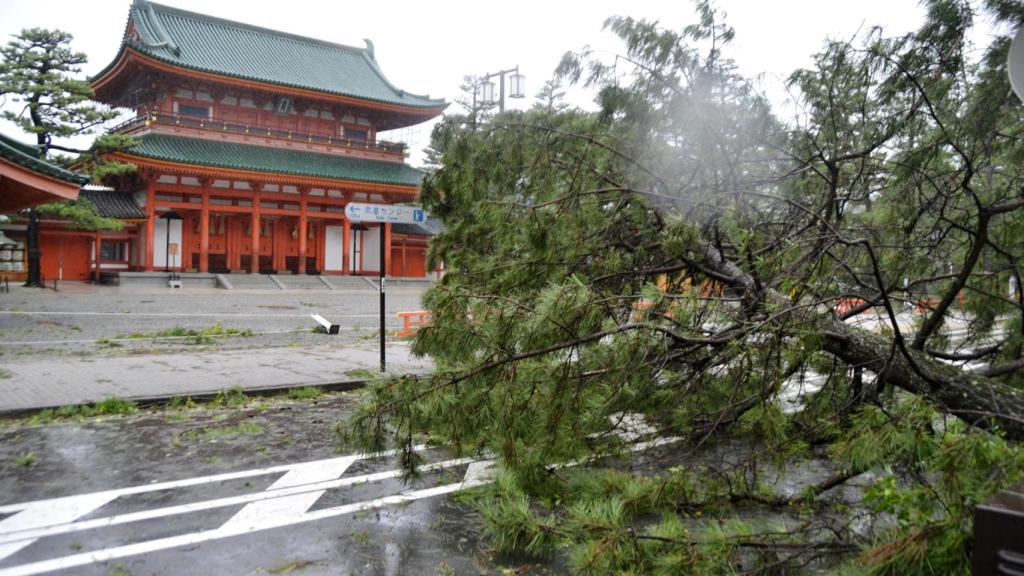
{"type": "Point", "coordinates": [302, 282]}
{"type": "Point", "coordinates": [351, 283]}
{"type": "Point", "coordinates": [251, 282]}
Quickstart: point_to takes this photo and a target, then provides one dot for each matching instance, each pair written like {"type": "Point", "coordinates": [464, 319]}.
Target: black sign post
{"type": "Point", "coordinates": [383, 228]}
{"type": "Point", "coordinates": [385, 214]}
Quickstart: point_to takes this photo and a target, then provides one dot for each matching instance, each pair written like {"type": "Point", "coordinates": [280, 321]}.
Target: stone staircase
{"type": "Point", "coordinates": [251, 282]}
{"type": "Point", "coordinates": [351, 282]}
{"type": "Point", "coordinates": [302, 282]}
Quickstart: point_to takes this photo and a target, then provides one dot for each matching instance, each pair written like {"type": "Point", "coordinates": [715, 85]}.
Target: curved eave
{"type": "Point", "coordinates": [128, 54]}
{"type": "Point", "coordinates": [281, 177]}
{"type": "Point", "coordinates": [21, 187]}
{"type": "Point", "coordinates": [23, 155]}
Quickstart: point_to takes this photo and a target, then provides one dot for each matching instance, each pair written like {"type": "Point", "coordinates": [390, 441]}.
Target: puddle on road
{"type": "Point", "coordinates": [74, 457]}
{"type": "Point", "coordinates": [69, 457]}
{"type": "Point", "coordinates": [421, 537]}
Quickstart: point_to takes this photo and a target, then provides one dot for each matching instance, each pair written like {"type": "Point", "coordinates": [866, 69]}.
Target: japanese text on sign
{"type": "Point", "coordinates": [360, 212]}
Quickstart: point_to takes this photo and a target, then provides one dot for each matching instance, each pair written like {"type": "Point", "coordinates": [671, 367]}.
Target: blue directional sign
{"type": "Point", "coordinates": [387, 214]}
{"type": "Point", "coordinates": [362, 212]}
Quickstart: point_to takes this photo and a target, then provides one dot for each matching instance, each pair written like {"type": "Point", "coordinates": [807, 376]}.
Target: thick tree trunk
{"type": "Point", "coordinates": [983, 401]}
{"type": "Point", "coordinates": [35, 275]}
{"type": "Point", "coordinates": [977, 399]}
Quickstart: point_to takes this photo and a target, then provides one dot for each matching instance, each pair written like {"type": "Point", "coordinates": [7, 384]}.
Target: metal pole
{"type": "Point", "coordinates": [382, 291]}
{"type": "Point", "coordinates": [167, 248]}
{"type": "Point", "coordinates": [501, 92]}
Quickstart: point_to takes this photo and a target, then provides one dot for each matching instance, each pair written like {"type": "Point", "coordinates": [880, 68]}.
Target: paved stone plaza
{"type": "Point", "coordinates": [87, 342]}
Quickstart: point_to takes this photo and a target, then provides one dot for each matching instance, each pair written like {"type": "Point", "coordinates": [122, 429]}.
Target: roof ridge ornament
{"type": "Point", "coordinates": [158, 27]}
{"type": "Point", "coordinates": [369, 48]}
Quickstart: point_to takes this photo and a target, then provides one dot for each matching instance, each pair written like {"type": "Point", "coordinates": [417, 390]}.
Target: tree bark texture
{"type": "Point", "coordinates": [982, 401]}
{"type": "Point", "coordinates": [34, 278]}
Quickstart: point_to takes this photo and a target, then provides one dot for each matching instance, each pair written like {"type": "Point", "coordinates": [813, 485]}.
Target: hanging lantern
{"type": "Point", "coordinates": [517, 85]}
{"type": "Point", "coordinates": [487, 92]}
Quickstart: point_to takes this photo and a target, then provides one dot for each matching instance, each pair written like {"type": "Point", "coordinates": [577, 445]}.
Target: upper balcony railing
{"type": "Point", "coordinates": [215, 125]}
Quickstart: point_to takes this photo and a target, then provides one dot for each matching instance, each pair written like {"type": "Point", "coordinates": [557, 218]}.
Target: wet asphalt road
{"type": "Point", "coordinates": [330, 523]}
{"type": "Point", "coordinates": [261, 488]}
{"type": "Point", "coordinates": [190, 528]}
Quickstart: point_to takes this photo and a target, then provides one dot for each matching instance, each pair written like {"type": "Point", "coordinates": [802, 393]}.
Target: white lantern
{"type": "Point", "coordinates": [517, 86]}
{"type": "Point", "coordinates": [487, 92]}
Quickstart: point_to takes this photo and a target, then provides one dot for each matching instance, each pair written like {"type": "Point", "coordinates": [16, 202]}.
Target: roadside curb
{"type": "Point", "coordinates": [205, 396]}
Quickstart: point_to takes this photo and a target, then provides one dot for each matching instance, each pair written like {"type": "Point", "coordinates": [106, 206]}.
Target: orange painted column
{"type": "Point", "coordinates": [277, 239]}
{"type": "Point", "coordinates": [405, 264]}
{"type": "Point", "coordinates": [346, 246]}
{"type": "Point", "coordinates": [280, 238]}
{"type": "Point", "coordinates": [387, 249]}
{"type": "Point", "coordinates": [204, 232]}
{"type": "Point", "coordinates": [254, 261]}
{"type": "Point", "coordinates": [236, 235]}
{"type": "Point", "coordinates": [97, 256]}
{"type": "Point", "coordinates": [150, 226]}
{"type": "Point", "coordinates": [230, 250]}
{"type": "Point", "coordinates": [303, 223]}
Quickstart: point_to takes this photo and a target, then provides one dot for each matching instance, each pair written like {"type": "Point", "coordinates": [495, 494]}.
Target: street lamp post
{"type": "Point", "coordinates": [516, 87]}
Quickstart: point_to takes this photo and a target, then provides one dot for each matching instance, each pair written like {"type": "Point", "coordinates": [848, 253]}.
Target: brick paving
{"type": "Point", "coordinates": [44, 383]}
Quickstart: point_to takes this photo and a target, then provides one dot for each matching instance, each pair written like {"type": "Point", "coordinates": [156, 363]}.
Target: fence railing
{"type": "Point", "coordinates": [216, 125]}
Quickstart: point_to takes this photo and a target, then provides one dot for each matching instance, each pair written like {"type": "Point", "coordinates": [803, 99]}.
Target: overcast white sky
{"type": "Point", "coordinates": [429, 46]}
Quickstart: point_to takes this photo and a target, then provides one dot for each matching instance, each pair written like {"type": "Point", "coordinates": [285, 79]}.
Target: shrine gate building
{"type": "Point", "coordinates": [250, 144]}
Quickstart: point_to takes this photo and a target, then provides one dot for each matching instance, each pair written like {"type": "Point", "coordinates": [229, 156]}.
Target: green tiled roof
{"type": "Point", "coordinates": [209, 44]}
{"type": "Point", "coordinates": [429, 228]}
{"type": "Point", "coordinates": [113, 204]}
{"type": "Point", "coordinates": [274, 160]}
{"type": "Point", "coordinates": [27, 156]}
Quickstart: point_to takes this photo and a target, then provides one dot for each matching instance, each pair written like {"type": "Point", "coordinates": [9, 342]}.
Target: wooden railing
{"type": "Point", "coordinates": [412, 321]}
{"type": "Point", "coordinates": [216, 125]}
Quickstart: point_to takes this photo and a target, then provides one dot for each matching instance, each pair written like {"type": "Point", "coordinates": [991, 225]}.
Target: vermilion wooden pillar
{"type": "Point", "coordinates": [302, 232]}
{"type": "Point", "coordinates": [230, 250]}
{"type": "Point", "coordinates": [254, 261]}
{"type": "Point", "coordinates": [150, 225]}
{"type": "Point", "coordinates": [321, 243]}
{"type": "Point", "coordinates": [97, 256]}
{"type": "Point", "coordinates": [204, 231]}
{"type": "Point", "coordinates": [405, 266]}
{"type": "Point", "coordinates": [278, 235]}
{"type": "Point", "coordinates": [346, 246]}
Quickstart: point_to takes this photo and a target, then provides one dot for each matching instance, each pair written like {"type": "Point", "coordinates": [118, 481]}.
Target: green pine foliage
{"type": "Point", "coordinates": [81, 214]}
{"type": "Point", "coordinates": [676, 259]}
{"type": "Point", "coordinates": [37, 73]}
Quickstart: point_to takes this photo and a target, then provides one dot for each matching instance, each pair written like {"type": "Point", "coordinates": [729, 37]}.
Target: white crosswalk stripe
{"type": "Point", "coordinates": [47, 513]}
{"type": "Point", "coordinates": [253, 515]}
{"type": "Point", "coordinates": [286, 502]}
{"type": "Point", "coordinates": [282, 493]}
